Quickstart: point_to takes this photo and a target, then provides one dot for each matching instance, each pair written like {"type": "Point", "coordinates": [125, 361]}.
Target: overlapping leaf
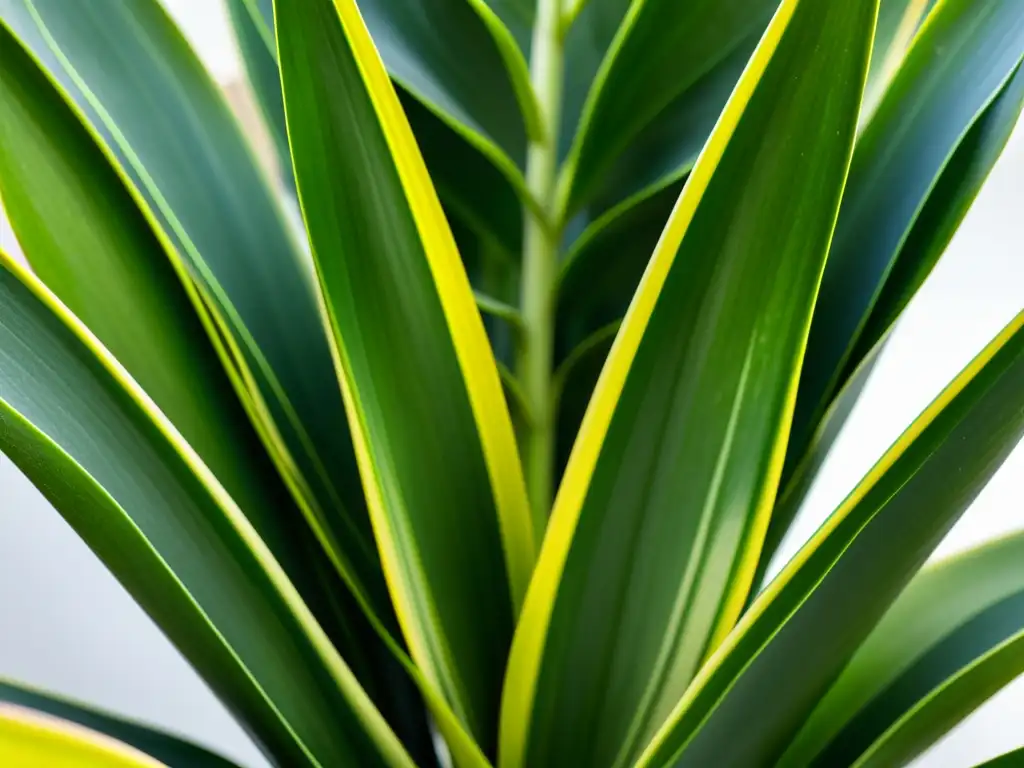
{"type": "Point", "coordinates": [653, 60]}
{"type": "Point", "coordinates": [171, 751]}
{"type": "Point", "coordinates": [434, 439]}
{"type": "Point", "coordinates": [28, 739]}
{"type": "Point", "coordinates": [949, 642]}
{"type": "Point", "coordinates": [804, 627]}
{"type": "Point", "coordinates": [120, 474]}
{"type": "Point", "coordinates": [648, 555]}
{"type": "Point", "coordinates": [157, 111]}
{"type": "Point", "coordinates": [960, 61]}
{"type": "Point", "coordinates": [471, 173]}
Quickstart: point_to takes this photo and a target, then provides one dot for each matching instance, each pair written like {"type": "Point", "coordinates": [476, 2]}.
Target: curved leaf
{"type": "Point", "coordinates": [960, 60]}
{"type": "Point", "coordinates": [106, 458]}
{"type": "Point", "coordinates": [433, 436]}
{"type": "Point", "coordinates": [84, 235]}
{"type": "Point", "coordinates": [471, 174]}
{"type": "Point", "coordinates": [1013, 759]}
{"type": "Point", "coordinates": [648, 556]}
{"type": "Point", "coordinates": [444, 53]}
{"type": "Point", "coordinates": [654, 58]}
{"type": "Point", "coordinates": [947, 204]}
{"type": "Point", "coordinates": [30, 739]}
{"type": "Point", "coordinates": [803, 628]}
{"type": "Point", "coordinates": [256, 45]}
{"type": "Point", "coordinates": [898, 22]}
{"type": "Point", "coordinates": [954, 636]}
{"type": "Point", "coordinates": [132, 75]}
{"type": "Point", "coordinates": [171, 751]}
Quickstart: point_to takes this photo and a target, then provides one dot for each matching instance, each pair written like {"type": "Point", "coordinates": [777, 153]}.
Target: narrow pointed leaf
{"type": "Point", "coordinates": [434, 438]}
{"type": "Point", "coordinates": [146, 95]}
{"type": "Point", "coordinates": [950, 640]}
{"type": "Point", "coordinates": [470, 173]}
{"type": "Point", "coordinates": [845, 578]}
{"type": "Point", "coordinates": [898, 22]}
{"type": "Point", "coordinates": [958, 64]}
{"type": "Point", "coordinates": [947, 204]}
{"type": "Point", "coordinates": [84, 235]}
{"type": "Point", "coordinates": [124, 479]}
{"type": "Point", "coordinates": [663, 504]}
{"type": "Point", "coordinates": [654, 58]}
{"type": "Point", "coordinates": [30, 739]}
{"type": "Point", "coordinates": [1014, 759]}
{"type": "Point", "coordinates": [258, 50]}
{"type": "Point", "coordinates": [169, 750]}
{"type": "Point", "coordinates": [445, 53]}
{"type": "Point", "coordinates": [935, 226]}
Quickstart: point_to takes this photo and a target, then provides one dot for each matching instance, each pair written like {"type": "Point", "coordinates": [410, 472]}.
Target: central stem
{"type": "Point", "coordinates": [540, 256]}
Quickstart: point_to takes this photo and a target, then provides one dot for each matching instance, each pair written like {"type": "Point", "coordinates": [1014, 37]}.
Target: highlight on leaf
{"type": "Point", "coordinates": [467, 439]}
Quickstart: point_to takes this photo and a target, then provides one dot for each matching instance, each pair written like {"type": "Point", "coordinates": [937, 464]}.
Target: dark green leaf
{"type": "Point", "coordinates": [959, 62]}
{"type": "Point", "coordinates": [169, 750]}
{"type": "Point", "coordinates": [803, 628]}
{"type": "Point", "coordinates": [84, 433]}
{"type": "Point", "coordinates": [434, 438]}
{"type": "Point", "coordinates": [953, 637]}
{"type": "Point", "coordinates": [143, 91]}
{"type": "Point", "coordinates": [660, 514]}
{"type": "Point", "coordinates": [656, 57]}
{"type": "Point", "coordinates": [259, 55]}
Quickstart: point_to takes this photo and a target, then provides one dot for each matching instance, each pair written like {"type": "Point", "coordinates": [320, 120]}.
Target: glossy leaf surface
{"type": "Point", "coordinates": [433, 436]}
{"type": "Point", "coordinates": [957, 65]}
{"type": "Point", "coordinates": [653, 59]}
{"type": "Point", "coordinates": [803, 628]}
{"type": "Point", "coordinates": [949, 641]}
{"type": "Point", "coordinates": [123, 478]}
{"type": "Point", "coordinates": [86, 238]}
{"type": "Point", "coordinates": [30, 739]}
{"type": "Point", "coordinates": [169, 750]}
{"type": "Point", "coordinates": [667, 490]}
{"type": "Point", "coordinates": [157, 110]}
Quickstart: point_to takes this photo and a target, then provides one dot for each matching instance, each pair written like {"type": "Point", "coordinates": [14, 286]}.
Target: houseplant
{"type": "Point", "coordinates": [486, 464]}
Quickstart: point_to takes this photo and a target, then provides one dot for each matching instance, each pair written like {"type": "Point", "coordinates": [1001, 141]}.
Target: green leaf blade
{"type": "Point", "coordinates": [143, 91]}
{"type": "Point", "coordinates": [662, 506]}
{"type": "Point", "coordinates": [171, 751]}
{"type": "Point", "coordinates": [803, 628]}
{"type": "Point", "coordinates": [923, 668]}
{"type": "Point", "coordinates": [29, 738]}
{"type": "Point", "coordinates": [433, 435]}
{"type": "Point", "coordinates": [959, 62]}
{"type": "Point", "coordinates": [127, 483]}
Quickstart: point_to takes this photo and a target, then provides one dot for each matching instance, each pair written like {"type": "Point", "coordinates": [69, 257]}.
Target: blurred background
{"type": "Point", "coordinates": [67, 626]}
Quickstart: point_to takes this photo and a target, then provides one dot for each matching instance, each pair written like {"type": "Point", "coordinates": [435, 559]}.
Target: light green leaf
{"type": "Point", "coordinates": [1014, 759]}
{"type": "Point", "coordinates": [803, 628]}
{"type": "Point", "coordinates": [124, 479]}
{"type": "Point", "coordinates": [658, 521]}
{"type": "Point", "coordinates": [953, 637]}
{"type": "Point", "coordinates": [654, 58]}
{"type": "Point", "coordinates": [164, 120]}
{"type": "Point", "coordinates": [433, 436]}
{"type": "Point", "coordinates": [30, 739]}
{"type": "Point", "coordinates": [898, 22]}
{"type": "Point", "coordinates": [171, 751]}
{"type": "Point", "coordinates": [959, 63]}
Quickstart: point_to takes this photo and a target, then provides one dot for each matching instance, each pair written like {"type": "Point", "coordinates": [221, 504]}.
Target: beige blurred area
{"type": "Point", "coordinates": [242, 102]}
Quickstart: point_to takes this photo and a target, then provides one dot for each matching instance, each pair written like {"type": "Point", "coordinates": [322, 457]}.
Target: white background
{"type": "Point", "coordinates": [67, 626]}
